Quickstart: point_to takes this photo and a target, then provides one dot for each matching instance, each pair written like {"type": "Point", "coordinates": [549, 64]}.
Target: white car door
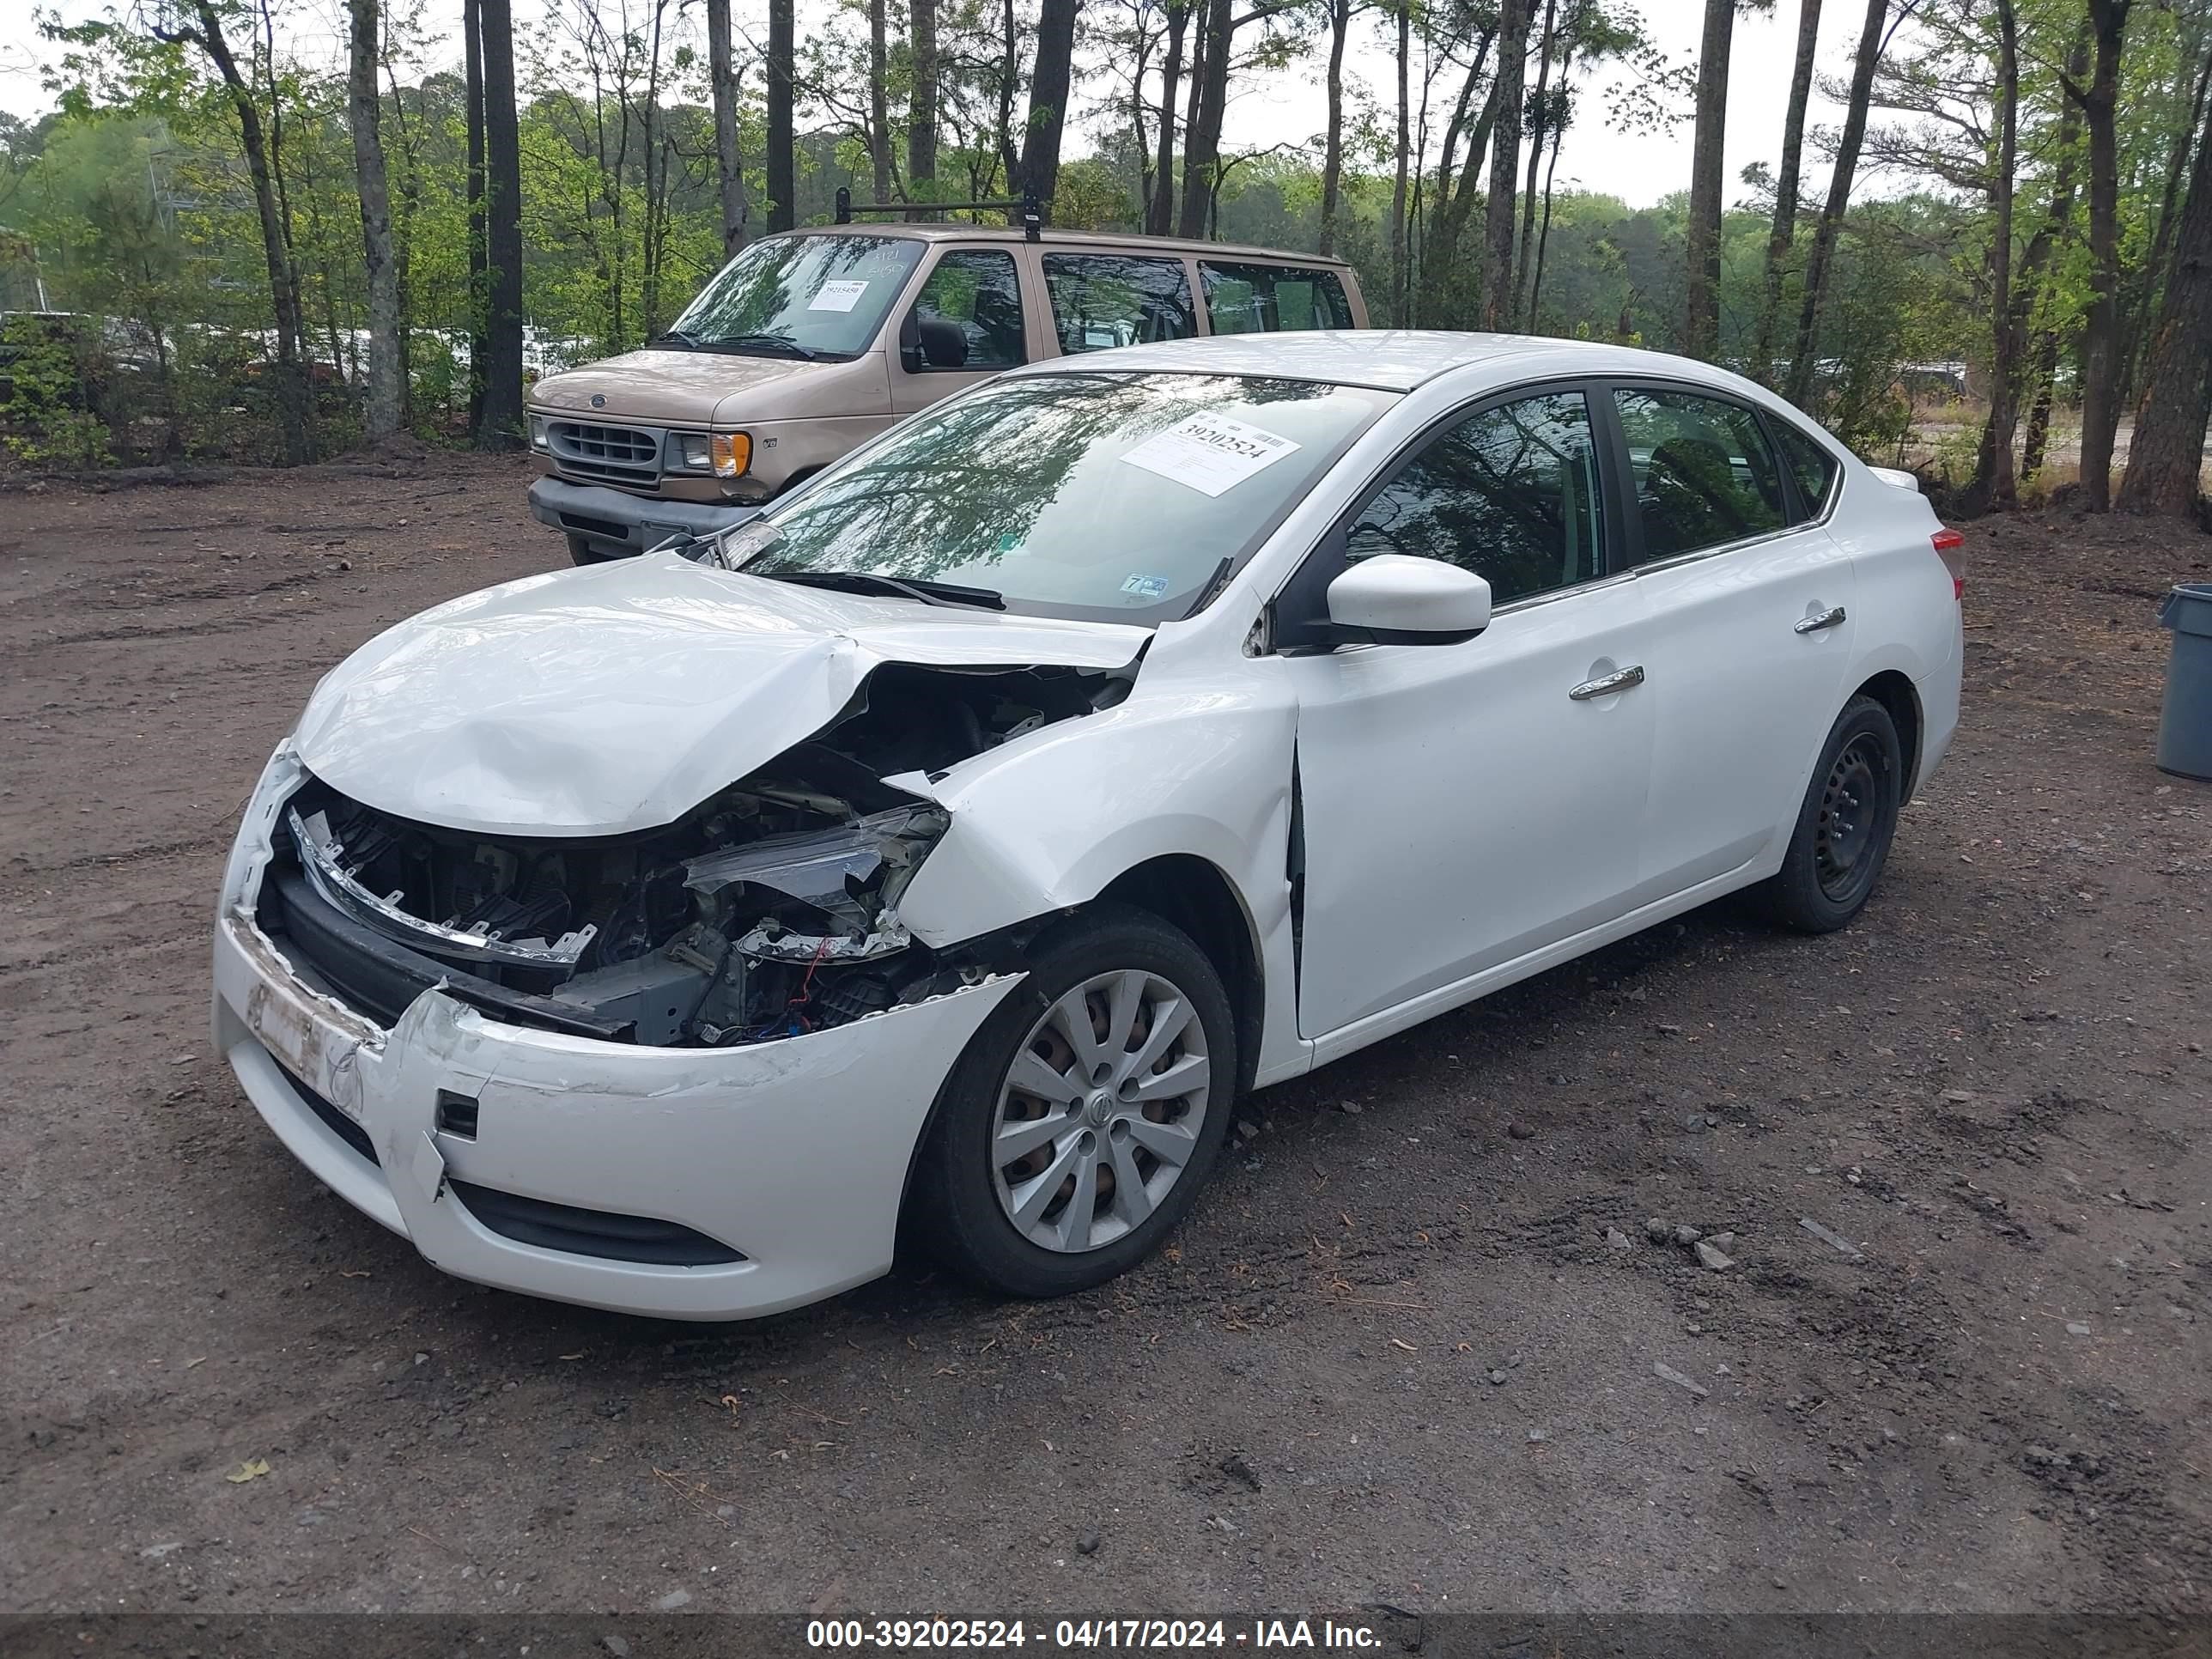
{"type": "Point", "coordinates": [1750, 630]}
{"type": "Point", "coordinates": [1464, 804]}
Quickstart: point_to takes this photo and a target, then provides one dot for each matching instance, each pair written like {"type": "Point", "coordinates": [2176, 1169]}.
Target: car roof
{"type": "Point", "coordinates": [1387, 359]}
{"type": "Point", "coordinates": [1091, 241]}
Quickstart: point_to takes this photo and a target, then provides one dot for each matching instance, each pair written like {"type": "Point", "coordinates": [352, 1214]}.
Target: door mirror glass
{"type": "Point", "coordinates": [1395, 598]}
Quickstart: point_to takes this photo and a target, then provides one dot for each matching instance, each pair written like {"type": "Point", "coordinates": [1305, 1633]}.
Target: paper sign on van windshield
{"type": "Point", "coordinates": [840, 296]}
{"type": "Point", "coordinates": [1211, 453]}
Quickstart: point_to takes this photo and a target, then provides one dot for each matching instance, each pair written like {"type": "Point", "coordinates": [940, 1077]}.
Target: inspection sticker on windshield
{"type": "Point", "coordinates": [841, 295]}
{"type": "Point", "coordinates": [1210, 452]}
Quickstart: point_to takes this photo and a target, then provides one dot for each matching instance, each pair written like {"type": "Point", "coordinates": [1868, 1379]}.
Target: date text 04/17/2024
{"type": "Point", "coordinates": [1079, 1635]}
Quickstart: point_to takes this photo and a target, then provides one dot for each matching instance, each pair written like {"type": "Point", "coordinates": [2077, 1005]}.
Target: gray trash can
{"type": "Point", "coordinates": [2184, 729]}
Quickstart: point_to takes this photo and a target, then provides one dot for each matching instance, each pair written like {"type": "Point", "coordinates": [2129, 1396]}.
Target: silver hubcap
{"type": "Point", "coordinates": [1101, 1112]}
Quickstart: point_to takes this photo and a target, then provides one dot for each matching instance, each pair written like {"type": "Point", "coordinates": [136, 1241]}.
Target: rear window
{"type": "Point", "coordinates": [1810, 465]}
{"type": "Point", "coordinates": [1256, 299]}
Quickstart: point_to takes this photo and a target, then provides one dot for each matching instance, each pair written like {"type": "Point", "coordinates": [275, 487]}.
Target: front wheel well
{"type": "Point", "coordinates": [1895, 693]}
{"type": "Point", "coordinates": [1189, 893]}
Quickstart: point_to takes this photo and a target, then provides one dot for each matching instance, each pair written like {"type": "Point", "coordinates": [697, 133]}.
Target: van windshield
{"type": "Point", "coordinates": [798, 296]}
{"type": "Point", "coordinates": [1120, 498]}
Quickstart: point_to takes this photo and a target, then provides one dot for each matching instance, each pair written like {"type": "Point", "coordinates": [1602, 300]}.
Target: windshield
{"type": "Point", "coordinates": [1103, 496]}
{"type": "Point", "coordinates": [820, 296]}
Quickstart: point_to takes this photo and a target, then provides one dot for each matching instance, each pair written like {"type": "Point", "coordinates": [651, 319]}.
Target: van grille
{"type": "Point", "coordinates": [622, 454]}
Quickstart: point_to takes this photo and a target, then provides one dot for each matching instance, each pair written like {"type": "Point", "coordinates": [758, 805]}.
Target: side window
{"type": "Point", "coordinates": [1810, 465]}
{"type": "Point", "coordinates": [1100, 301]}
{"type": "Point", "coordinates": [1265, 298]}
{"type": "Point", "coordinates": [970, 312]}
{"type": "Point", "coordinates": [1704, 475]}
{"type": "Point", "coordinates": [1511, 493]}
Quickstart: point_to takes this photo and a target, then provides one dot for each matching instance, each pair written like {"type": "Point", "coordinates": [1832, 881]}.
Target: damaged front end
{"type": "Point", "coordinates": [769, 910]}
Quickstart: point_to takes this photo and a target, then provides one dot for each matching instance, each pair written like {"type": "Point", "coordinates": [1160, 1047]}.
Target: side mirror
{"type": "Point", "coordinates": [930, 342]}
{"type": "Point", "coordinates": [1394, 599]}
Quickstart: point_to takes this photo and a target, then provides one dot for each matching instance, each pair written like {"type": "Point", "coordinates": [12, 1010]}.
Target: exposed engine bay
{"type": "Point", "coordinates": [769, 910]}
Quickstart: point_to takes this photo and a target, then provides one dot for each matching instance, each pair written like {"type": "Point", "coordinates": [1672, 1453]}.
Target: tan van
{"type": "Point", "coordinates": [811, 342]}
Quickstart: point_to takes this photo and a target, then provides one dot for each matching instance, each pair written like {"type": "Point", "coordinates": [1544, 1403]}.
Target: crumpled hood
{"type": "Point", "coordinates": [616, 697]}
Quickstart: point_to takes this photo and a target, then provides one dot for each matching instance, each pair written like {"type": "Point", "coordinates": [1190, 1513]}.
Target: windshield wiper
{"type": "Point", "coordinates": [678, 338]}
{"type": "Point", "coordinates": [867, 581]}
{"type": "Point", "coordinates": [782, 342]}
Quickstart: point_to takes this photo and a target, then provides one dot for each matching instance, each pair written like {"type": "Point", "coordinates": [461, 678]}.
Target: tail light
{"type": "Point", "coordinates": [1947, 542]}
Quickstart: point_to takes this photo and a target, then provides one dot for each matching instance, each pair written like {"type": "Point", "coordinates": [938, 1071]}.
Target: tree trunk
{"type": "Point", "coordinates": [296, 398]}
{"type": "Point", "coordinates": [1544, 225]}
{"type": "Point", "coordinates": [1048, 88]}
{"type": "Point", "coordinates": [2166, 459]}
{"type": "Point", "coordinates": [1440, 253]}
{"type": "Point", "coordinates": [1541, 114]}
{"type": "Point", "coordinates": [1332, 156]}
{"type": "Point", "coordinates": [479, 262]}
{"type": "Point", "coordinates": [782, 156]}
{"type": "Point", "coordinates": [2030, 279]}
{"type": "Point", "coordinates": [729, 159]}
{"type": "Point", "coordinates": [2036, 443]}
{"type": "Point", "coordinates": [1401, 269]}
{"type": "Point", "coordinates": [922, 108]}
{"type": "Point", "coordinates": [381, 409]}
{"type": "Point", "coordinates": [1701, 317]}
{"type": "Point", "coordinates": [1159, 211]}
{"type": "Point", "coordinates": [1201, 149]}
{"type": "Point", "coordinates": [2138, 311]}
{"type": "Point", "coordinates": [1783, 237]}
{"type": "Point", "coordinates": [500, 425]}
{"type": "Point", "coordinates": [2100, 342]}
{"type": "Point", "coordinates": [1993, 484]}
{"type": "Point", "coordinates": [1803, 363]}
{"type": "Point", "coordinates": [879, 99]}
{"type": "Point", "coordinates": [1504, 167]}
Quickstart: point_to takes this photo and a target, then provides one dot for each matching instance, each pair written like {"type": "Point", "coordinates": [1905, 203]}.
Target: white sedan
{"type": "Point", "coordinates": [941, 854]}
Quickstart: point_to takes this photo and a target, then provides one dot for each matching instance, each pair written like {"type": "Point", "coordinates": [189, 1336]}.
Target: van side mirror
{"type": "Point", "coordinates": [930, 342]}
{"type": "Point", "coordinates": [1394, 599]}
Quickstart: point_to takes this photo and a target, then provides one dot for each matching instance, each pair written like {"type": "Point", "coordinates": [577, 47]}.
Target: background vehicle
{"type": "Point", "coordinates": [811, 342]}
{"type": "Point", "coordinates": [952, 842]}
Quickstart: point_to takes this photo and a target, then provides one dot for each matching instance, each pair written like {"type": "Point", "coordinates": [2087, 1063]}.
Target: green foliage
{"type": "Point", "coordinates": [47, 365]}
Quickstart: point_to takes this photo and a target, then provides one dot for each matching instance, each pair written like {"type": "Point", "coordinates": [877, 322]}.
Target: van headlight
{"type": "Point", "coordinates": [725, 454]}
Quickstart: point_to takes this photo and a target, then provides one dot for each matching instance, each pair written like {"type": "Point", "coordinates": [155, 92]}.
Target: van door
{"type": "Point", "coordinates": [967, 322]}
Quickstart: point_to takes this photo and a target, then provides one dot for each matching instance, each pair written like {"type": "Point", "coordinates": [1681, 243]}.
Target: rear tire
{"type": "Point", "coordinates": [1846, 825]}
{"type": "Point", "coordinates": [1109, 1152]}
{"type": "Point", "coordinates": [582, 552]}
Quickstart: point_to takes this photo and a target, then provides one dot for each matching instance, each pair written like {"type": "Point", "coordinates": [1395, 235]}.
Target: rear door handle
{"type": "Point", "coordinates": [1606, 684]}
{"type": "Point", "coordinates": [1820, 619]}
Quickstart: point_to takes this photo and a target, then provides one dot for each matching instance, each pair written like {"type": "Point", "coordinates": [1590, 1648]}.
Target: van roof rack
{"type": "Point", "coordinates": [1027, 206]}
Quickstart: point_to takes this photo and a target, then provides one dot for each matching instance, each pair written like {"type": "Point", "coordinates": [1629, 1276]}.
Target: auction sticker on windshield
{"type": "Point", "coordinates": [1211, 453]}
{"type": "Point", "coordinates": [840, 296]}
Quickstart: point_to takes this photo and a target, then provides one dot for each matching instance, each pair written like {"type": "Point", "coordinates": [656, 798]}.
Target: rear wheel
{"type": "Point", "coordinates": [1078, 1126]}
{"type": "Point", "coordinates": [1846, 825]}
{"type": "Point", "coordinates": [582, 552]}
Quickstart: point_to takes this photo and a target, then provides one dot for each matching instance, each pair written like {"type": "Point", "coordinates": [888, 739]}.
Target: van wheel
{"type": "Point", "coordinates": [582, 552]}
{"type": "Point", "coordinates": [1086, 1115]}
{"type": "Point", "coordinates": [1846, 825]}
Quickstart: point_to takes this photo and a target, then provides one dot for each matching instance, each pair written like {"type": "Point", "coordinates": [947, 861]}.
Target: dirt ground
{"type": "Point", "coordinates": [1395, 1359]}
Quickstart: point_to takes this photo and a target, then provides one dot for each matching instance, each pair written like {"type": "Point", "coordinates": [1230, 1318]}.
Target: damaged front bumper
{"type": "Point", "coordinates": [690, 1183]}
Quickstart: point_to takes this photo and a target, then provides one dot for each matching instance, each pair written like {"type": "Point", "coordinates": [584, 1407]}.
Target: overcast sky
{"type": "Point", "coordinates": [1288, 107]}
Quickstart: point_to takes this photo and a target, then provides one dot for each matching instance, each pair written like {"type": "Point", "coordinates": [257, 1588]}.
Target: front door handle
{"type": "Point", "coordinates": [1606, 684]}
{"type": "Point", "coordinates": [1820, 619]}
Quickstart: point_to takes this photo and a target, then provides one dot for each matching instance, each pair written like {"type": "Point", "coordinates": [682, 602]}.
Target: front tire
{"type": "Point", "coordinates": [1078, 1126]}
{"type": "Point", "coordinates": [1845, 827]}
